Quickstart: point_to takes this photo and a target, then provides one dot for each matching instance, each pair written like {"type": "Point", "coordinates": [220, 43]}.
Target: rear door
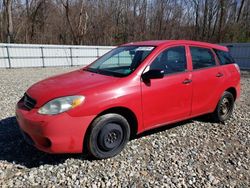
{"type": "Point", "coordinates": [207, 80]}
{"type": "Point", "coordinates": [169, 98]}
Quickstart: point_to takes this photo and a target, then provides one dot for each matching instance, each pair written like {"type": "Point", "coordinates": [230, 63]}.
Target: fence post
{"type": "Point", "coordinates": [97, 53]}
{"type": "Point", "coordinates": [42, 57]}
{"type": "Point", "coordinates": [118, 59]}
{"type": "Point", "coordinates": [8, 54]}
{"type": "Point", "coordinates": [71, 57]}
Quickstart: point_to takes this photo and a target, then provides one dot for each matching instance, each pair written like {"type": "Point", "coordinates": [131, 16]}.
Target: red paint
{"type": "Point", "coordinates": [161, 102]}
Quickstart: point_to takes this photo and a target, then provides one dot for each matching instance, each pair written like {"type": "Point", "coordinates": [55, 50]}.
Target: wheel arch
{"type": "Point", "coordinates": [233, 91]}
{"type": "Point", "coordinates": [127, 113]}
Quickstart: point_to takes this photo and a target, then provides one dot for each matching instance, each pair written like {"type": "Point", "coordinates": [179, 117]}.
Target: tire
{"type": "Point", "coordinates": [108, 136]}
{"type": "Point", "coordinates": [224, 108]}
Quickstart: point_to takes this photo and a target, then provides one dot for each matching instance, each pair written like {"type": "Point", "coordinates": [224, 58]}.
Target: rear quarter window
{"type": "Point", "coordinates": [224, 57]}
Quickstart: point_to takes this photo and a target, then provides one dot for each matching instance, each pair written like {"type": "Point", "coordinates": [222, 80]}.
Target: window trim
{"type": "Point", "coordinates": [205, 47]}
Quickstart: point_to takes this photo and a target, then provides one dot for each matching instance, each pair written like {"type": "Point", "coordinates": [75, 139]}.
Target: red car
{"type": "Point", "coordinates": [133, 88]}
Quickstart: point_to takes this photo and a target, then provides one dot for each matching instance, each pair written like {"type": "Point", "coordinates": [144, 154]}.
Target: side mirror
{"type": "Point", "coordinates": [153, 74]}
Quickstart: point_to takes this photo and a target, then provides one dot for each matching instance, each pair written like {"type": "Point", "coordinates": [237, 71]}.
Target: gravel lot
{"type": "Point", "coordinates": [194, 153]}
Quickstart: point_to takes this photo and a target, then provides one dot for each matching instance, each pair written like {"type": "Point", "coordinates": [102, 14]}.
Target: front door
{"type": "Point", "coordinates": [167, 99]}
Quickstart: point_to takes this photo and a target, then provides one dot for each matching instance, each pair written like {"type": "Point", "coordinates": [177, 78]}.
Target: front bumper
{"type": "Point", "coordinates": [60, 133]}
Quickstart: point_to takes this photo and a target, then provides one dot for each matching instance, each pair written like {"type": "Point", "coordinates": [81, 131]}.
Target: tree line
{"type": "Point", "coordinates": [112, 22]}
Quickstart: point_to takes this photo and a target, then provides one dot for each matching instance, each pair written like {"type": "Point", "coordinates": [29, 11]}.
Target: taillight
{"type": "Point", "coordinates": [237, 67]}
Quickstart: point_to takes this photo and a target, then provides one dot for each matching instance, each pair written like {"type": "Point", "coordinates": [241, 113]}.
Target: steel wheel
{"type": "Point", "coordinates": [224, 107]}
{"type": "Point", "coordinates": [108, 135]}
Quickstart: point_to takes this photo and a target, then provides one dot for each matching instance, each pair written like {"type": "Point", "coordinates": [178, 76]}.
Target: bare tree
{"type": "Point", "coordinates": [111, 22]}
{"type": "Point", "coordinates": [10, 29]}
{"type": "Point", "coordinates": [66, 6]}
{"type": "Point", "coordinates": [240, 10]}
{"type": "Point", "coordinates": [1, 21]}
{"type": "Point", "coordinates": [221, 20]}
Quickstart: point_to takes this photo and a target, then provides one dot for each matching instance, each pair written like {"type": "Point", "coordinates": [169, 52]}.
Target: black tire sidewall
{"type": "Point", "coordinates": [230, 97]}
{"type": "Point", "coordinates": [97, 126]}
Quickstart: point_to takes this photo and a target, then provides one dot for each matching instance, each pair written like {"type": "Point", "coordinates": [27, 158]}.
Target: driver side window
{"type": "Point", "coordinates": [171, 60]}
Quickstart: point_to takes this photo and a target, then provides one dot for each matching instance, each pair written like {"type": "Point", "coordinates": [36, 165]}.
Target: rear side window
{"type": "Point", "coordinates": [202, 58]}
{"type": "Point", "coordinates": [171, 60]}
{"type": "Point", "coordinates": [224, 57]}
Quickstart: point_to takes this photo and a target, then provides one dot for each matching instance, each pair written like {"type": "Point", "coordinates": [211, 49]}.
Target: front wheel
{"type": "Point", "coordinates": [109, 134]}
{"type": "Point", "coordinates": [224, 108]}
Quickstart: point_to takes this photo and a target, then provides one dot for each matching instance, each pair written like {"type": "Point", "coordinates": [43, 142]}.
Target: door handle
{"type": "Point", "coordinates": [187, 81]}
{"type": "Point", "coordinates": [219, 75]}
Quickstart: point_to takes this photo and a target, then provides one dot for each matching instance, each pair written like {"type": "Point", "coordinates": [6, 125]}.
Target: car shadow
{"type": "Point", "coordinates": [15, 150]}
{"type": "Point", "coordinates": [161, 129]}
{"type": "Point", "coordinates": [203, 118]}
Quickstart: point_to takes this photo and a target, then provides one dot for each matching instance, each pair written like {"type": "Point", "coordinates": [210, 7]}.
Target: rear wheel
{"type": "Point", "coordinates": [224, 107]}
{"type": "Point", "coordinates": [109, 134]}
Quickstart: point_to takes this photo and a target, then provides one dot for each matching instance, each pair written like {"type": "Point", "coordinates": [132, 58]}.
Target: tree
{"type": "Point", "coordinates": [8, 13]}
{"type": "Point", "coordinates": [112, 22]}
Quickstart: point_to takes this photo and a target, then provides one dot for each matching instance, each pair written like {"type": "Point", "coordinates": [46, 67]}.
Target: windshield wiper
{"type": "Point", "coordinates": [92, 70]}
{"type": "Point", "coordinates": [111, 73]}
{"type": "Point", "coordinates": [104, 72]}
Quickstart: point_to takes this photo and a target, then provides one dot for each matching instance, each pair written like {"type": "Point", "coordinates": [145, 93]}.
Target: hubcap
{"type": "Point", "coordinates": [112, 139]}
{"type": "Point", "coordinates": [224, 107]}
{"type": "Point", "coordinates": [110, 136]}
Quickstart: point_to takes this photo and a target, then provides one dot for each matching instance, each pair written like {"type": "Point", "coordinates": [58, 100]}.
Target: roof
{"type": "Point", "coordinates": [149, 43]}
{"type": "Point", "coordinates": [176, 42]}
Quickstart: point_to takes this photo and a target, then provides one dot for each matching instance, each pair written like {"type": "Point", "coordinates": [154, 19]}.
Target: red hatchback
{"type": "Point", "coordinates": [133, 88]}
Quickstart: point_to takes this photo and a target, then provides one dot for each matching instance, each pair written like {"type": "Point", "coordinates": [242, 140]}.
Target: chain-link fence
{"type": "Point", "coordinates": [26, 55]}
{"type": "Point", "coordinates": [240, 53]}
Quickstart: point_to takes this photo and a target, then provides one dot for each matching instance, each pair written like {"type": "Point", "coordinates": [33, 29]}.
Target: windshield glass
{"type": "Point", "coordinates": [120, 61]}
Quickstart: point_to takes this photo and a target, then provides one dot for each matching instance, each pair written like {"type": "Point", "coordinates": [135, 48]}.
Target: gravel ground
{"type": "Point", "coordinates": [194, 153]}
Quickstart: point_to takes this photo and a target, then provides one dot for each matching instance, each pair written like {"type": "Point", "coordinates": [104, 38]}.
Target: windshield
{"type": "Point", "coordinates": [121, 61]}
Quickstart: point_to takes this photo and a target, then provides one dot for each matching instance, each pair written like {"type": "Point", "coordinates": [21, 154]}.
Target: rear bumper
{"type": "Point", "coordinates": [60, 133]}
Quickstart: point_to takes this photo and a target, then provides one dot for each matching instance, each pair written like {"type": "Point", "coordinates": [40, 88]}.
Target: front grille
{"type": "Point", "coordinates": [29, 103]}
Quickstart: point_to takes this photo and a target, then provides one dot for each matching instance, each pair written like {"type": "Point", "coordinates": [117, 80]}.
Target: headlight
{"type": "Point", "coordinates": [61, 104]}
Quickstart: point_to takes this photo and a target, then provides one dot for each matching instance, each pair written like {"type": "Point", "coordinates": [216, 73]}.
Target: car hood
{"type": "Point", "coordinates": [67, 84]}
